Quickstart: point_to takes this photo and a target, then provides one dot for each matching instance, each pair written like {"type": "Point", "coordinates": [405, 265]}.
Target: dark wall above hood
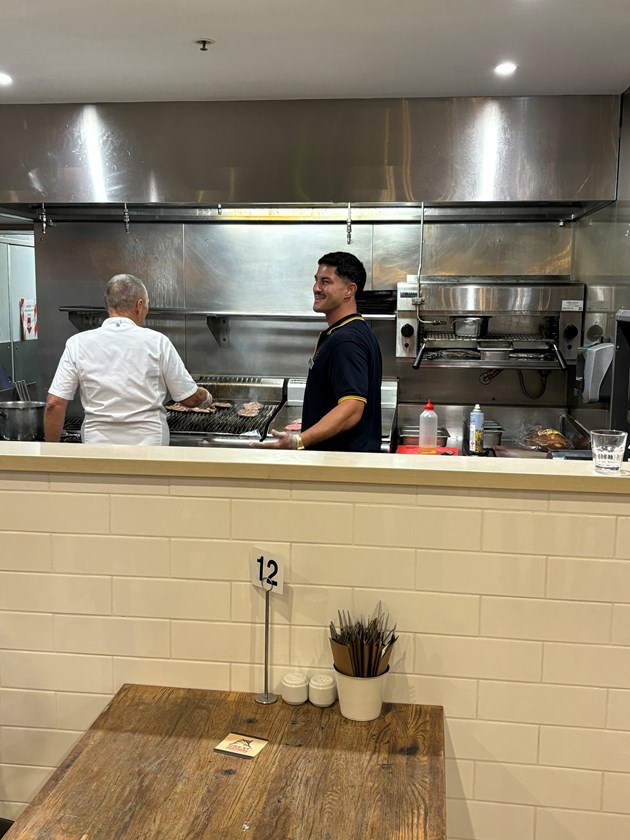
{"type": "Point", "coordinates": [554, 155]}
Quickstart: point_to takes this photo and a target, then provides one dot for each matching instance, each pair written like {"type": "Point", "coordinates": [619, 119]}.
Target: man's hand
{"type": "Point", "coordinates": [283, 440]}
{"type": "Point", "coordinates": [207, 401]}
{"type": "Point", "coordinates": [202, 398]}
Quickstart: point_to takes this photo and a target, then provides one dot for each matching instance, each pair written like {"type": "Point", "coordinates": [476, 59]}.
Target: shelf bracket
{"type": "Point", "coordinates": [83, 320]}
{"type": "Point", "coordinates": [219, 326]}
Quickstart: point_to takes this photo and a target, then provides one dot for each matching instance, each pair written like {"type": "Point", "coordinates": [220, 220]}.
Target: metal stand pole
{"type": "Point", "coordinates": [266, 698]}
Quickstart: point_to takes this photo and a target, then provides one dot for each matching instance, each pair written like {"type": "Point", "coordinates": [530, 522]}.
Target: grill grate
{"type": "Point", "coordinates": [457, 339]}
{"type": "Point", "coordinates": [224, 427]}
{"type": "Point", "coordinates": [225, 421]}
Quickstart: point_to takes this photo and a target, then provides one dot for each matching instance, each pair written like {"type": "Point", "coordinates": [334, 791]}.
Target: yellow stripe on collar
{"type": "Point", "coordinates": [343, 323]}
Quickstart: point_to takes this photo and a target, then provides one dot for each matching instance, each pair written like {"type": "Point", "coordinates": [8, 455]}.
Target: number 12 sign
{"type": "Point", "coordinates": [267, 571]}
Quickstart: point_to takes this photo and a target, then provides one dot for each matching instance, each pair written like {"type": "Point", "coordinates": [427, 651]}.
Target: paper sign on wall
{"type": "Point", "coordinates": [28, 319]}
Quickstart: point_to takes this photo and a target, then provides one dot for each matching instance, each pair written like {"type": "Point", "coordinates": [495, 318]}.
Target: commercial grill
{"type": "Point", "coordinates": [225, 427]}
{"type": "Point", "coordinates": [490, 322]}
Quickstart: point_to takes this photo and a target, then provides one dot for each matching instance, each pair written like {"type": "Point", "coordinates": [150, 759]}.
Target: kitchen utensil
{"type": "Point", "coordinates": [494, 350]}
{"type": "Point", "coordinates": [22, 388]}
{"type": "Point", "coordinates": [22, 420]}
{"type": "Point", "coordinates": [470, 327]}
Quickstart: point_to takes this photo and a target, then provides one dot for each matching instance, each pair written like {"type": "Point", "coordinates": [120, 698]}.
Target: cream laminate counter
{"type": "Point", "coordinates": [382, 469]}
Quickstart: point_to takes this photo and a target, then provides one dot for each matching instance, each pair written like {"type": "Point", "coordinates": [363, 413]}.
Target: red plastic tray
{"type": "Point", "coordinates": [441, 450]}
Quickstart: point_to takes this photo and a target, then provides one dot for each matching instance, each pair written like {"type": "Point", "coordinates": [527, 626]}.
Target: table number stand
{"type": "Point", "coordinates": [267, 574]}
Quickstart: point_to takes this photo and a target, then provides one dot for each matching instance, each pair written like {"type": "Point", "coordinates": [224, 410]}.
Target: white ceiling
{"type": "Point", "coordinates": [144, 50]}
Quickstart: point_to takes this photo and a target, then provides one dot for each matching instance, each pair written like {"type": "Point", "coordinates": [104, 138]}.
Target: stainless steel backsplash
{"type": "Point", "coordinates": [259, 269]}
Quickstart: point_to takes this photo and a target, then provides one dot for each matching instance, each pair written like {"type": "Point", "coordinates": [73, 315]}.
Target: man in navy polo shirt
{"type": "Point", "coordinates": [342, 400]}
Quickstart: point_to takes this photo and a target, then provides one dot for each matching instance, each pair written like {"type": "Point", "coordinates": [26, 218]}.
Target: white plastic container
{"type": "Point", "coordinates": [427, 432]}
{"type": "Point", "coordinates": [295, 688]}
{"type": "Point", "coordinates": [475, 440]}
{"type": "Point", "coordinates": [322, 690]}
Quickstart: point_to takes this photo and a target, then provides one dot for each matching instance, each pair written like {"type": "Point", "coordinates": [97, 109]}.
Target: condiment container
{"type": "Point", "coordinates": [475, 440]}
{"type": "Point", "coordinates": [322, 690]}
{"type": "Point", "coordinates": [468, 327]}
{"type": "Point", "coordinates": [295, 688]}
{"type": "Point", "coordinates": [427, 431]}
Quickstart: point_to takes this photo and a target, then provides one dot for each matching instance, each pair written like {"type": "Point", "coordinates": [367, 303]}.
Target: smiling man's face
{"type": "Point", "coordinates": [330, 291]}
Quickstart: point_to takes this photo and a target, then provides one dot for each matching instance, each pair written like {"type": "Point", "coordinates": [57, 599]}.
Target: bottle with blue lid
{"type": "Point", "coordinates": [475, 439]}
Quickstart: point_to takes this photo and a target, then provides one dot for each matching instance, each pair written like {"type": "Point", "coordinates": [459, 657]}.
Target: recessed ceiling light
{"type": "Point", "coordinates": [5, 79]}
{"type": "Point", "coordinates": [506, 68]}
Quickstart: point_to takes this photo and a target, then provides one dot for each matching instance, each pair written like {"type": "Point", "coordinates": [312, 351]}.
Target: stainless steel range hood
{"type": "Point", "coordinates": [547, 157]}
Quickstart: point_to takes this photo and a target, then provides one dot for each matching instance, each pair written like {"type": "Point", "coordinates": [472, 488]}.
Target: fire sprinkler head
{"type": "Point", "coordinates": [203, 43]}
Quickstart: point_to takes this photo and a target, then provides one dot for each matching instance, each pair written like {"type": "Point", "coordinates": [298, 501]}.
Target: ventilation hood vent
{"type": "Point", "coordinates": [545, 157]}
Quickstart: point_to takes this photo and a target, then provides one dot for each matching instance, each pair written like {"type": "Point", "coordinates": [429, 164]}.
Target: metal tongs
{"type": "Point", "coordinates": [22, 388]}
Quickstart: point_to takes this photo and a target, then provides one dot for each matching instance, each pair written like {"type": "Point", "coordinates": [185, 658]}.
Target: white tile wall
{"type": "Point", "coordinates": [513, 610]}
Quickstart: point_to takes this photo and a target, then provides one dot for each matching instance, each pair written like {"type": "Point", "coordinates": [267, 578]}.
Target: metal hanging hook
{"type": "Point", "coordinates": [126, 218]}
{"type": "Point", "coordinates": [349, 225]}
{"type": "Point", "coordinates": [219, 210]}
{"type": "Point", "coordinates": [43, 218]}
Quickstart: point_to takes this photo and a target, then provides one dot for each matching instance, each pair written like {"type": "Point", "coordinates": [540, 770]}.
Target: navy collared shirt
{"type": "Point", "coordinates": [346, 364]}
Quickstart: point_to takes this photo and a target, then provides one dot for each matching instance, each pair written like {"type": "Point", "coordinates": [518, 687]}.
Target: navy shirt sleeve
{"type": "Point", "coordinates": [349, 370]}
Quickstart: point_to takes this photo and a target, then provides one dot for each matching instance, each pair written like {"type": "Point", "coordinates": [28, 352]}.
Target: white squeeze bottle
{"type": "Point", "coordinates": [475, 440]}
{"type": "Point", "coordinates": [427, 433]}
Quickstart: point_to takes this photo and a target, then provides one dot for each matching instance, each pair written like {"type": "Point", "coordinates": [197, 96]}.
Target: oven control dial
{"type": "Point", "coordinates": [570, 332]}
{"type": "Point", "coordinates": [407, 330]}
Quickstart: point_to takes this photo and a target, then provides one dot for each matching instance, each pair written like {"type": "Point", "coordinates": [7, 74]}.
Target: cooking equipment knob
{"type": "Point", "coordinates": [407, 330]}
{"type": "Point", "coordinates": [570, 331]}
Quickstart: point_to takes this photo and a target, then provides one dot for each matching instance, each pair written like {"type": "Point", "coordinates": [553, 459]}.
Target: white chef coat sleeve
{"type": "Point", "coordinates": [66, 379]}
{"type": "Point", "coordinates": [179, 382]}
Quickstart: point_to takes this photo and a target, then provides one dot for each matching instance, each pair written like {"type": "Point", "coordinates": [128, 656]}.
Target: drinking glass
{"type": "Point", "coordinates": [608, 446]}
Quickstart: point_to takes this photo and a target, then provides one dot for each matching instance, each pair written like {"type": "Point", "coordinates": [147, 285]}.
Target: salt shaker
{"type": "Point", "coordinates": [322, 690]}
{"type": "Point", "coordinates": [295, 688]}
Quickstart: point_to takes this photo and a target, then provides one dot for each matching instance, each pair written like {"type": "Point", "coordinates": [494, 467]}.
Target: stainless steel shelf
{"type": "Point", "coordinates": [270, 316]}
{"type": "Point", "coordinates": [88, 317]}
{"type": "Point", "coordinates": [506, 364]}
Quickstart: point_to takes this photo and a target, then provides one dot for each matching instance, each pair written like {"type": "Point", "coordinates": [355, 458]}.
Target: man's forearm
{"type": "Point", "coordinates": [54, 415]}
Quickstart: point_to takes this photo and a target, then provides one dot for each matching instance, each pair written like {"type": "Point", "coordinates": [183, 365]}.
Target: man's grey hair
{"type": "Point", "coordinates": [122, 292]}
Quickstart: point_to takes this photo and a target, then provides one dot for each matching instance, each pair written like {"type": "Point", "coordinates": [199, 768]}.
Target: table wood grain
{"type": "Point", "coordinates": [147, 769]}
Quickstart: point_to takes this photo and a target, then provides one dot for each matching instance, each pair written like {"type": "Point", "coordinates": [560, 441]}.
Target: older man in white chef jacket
{"type": "Point", "coordinates": [123, 372]}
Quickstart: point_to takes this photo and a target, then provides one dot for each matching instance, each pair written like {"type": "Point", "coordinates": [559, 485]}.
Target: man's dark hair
{"type": "Point", "coordinates": [346, 266]}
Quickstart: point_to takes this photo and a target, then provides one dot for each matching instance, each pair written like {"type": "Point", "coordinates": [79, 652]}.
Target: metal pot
{"type": "Point", "coordinates": [22, 420]}
{"type": "Point", "coordinates": [470, 327]}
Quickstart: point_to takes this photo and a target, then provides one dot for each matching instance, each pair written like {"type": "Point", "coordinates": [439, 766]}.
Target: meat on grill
{"type": "Point", "coordinates": [185, 408]}
{"type": "Point", "coordinates": [249, 409]}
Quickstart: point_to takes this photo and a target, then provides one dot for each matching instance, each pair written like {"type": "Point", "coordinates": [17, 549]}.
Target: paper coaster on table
{"type": "Point", "coordinates": [245, 746]}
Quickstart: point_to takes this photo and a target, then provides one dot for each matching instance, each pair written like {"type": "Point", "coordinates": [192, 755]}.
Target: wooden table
{"type": "Point", "coordinates": [147, 769]}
